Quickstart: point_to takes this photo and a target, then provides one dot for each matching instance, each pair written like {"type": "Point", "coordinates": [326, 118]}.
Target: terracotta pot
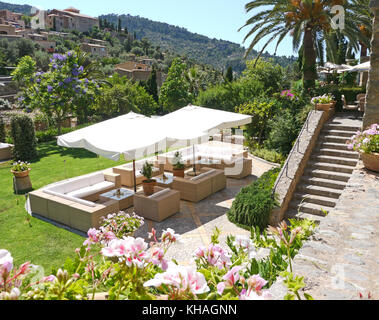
{"type": "Point", "coordinates": [324, 107]}
{"type": "Point", "coordinates": [371, 161]}
{"type": "Point", "coordinates": [148, 187]}
{"type": "Point", "coordinates": [178, 173]}
{"type": "Point", "coordinates": [20, 174]}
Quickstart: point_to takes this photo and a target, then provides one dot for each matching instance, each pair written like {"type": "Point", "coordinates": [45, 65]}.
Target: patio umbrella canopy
{"type": "Point", "coordinates": [192, 123]}
{"type": "Point", "coordinates": [130, 135]}
{"type": "Point", "coordinates": [363, 67]}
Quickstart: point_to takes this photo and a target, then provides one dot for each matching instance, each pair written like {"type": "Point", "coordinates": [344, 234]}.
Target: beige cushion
{"type": "Point", "coordinates": [86, 191]}
{"type": "Point", "coordinates": [67, 197]}
{"type": "Point", "coordinates": [159, 193]}
{"type": "Point", "coordinates": [200, 176]}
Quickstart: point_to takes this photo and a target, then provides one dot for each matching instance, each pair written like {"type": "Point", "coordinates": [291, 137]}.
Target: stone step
{"type": "Point", "coordinates": [324, 182]}
{"type": "Point", "coordinates": [345, 177]}
{"type": "Point", "coordinates": [295, 214]}
{"type": "Point", "coordinates": [312, 198]}
{"type": "Point", "coordinates": [310, 208]}
{"type": "Point", "coordinates": [335, 160]}
{"type": "Point", "coordinates": [320, 191]}
{"type": "Point", "coordinates": [334, 139]}
{"type": "Point", "coordinates": [330, 167]}
{"type": "Point", "coordinates": [338, 133]}
{"type": "Point", "coordinates": [338, 153]}
{"type": "Point", "coordinates": [339, 127]}
{"type": "Point", "coordinates": [333, 146]}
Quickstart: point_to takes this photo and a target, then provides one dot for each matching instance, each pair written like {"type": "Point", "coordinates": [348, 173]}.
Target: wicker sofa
{"type": "Point", "coordinates": [75, 202]}
{"type": "Point", "coordinates": [197, 188]}
{"type": "Point", "coordinates": [215, 150]}
{"type": "Point", "coordinates": [126, 172]}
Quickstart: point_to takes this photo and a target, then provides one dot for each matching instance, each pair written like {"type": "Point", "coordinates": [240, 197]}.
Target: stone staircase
{"type": "Point", "coordinates": [327, 173]}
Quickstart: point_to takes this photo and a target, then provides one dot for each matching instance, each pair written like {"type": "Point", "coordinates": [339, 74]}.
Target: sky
{"type": "Point", "coordinates": [218, 19]}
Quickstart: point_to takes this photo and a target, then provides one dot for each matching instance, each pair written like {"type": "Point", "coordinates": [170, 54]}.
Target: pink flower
{"type": "Point", "coordinates": [231, 278]}
{"type": "Point", "coordinates": [6, 261]}
{"type": "Point", "coordinates": [217, 256]}
{"type": "Point", "coordinates": [200, 252]}
{"type": "Point", "coordinates": [93, 237]}
{"type": "Point", "coordinates": [252, 295]}
{"type": "Point", "coordinates": [256, 283]}
{"type": "Point", "coordinates": [50, 278]}
{"type": "Point", "coordinates": [184, 278]}
{"type": "Point", "coordinates": [169, 235]}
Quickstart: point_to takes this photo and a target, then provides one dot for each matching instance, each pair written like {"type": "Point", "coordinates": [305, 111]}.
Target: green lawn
{"type": "Point", "coordinates": [39, 242]}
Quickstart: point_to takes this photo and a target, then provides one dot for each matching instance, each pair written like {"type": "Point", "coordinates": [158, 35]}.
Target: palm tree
{"type": "Point", "coordinates": [309, 22]}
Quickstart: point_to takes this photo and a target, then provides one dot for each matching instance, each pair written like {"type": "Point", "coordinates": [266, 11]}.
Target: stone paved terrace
{"type": "Point", "coordinates": [196, 221]}
{"type": "Point", "coordinates": [342, 258]}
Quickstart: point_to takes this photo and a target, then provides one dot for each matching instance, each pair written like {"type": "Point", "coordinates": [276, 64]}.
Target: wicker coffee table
{"type": "Point", "coordinates": [125, 199]}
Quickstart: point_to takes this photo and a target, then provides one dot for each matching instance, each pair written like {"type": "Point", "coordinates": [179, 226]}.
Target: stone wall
{"type": "Point", "coordinates": [297, 161]}
{"type": "Point", "coordinates": [372, 99]}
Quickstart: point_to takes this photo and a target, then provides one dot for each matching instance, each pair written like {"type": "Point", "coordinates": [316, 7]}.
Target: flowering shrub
{"type": "Point", "coordinates": [287, 94]}
{"type": "Point", "coordinates": [366, 141]}
{"type": "Point", "coordinates": [62, 90]}
{"type": "Point", "coordinates": [130, 268]}
{"type": "Point", "coordinates": [324, 99]}
{"type": "Point", "coordinates": [20, 166]}
{"type": "Point", "coordinates": [119, 225]}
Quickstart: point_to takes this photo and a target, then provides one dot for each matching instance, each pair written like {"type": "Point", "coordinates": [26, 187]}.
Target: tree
{"type": "Point", "coordinates": [2, 130]}
{"type": "Point", "coordinates": [229, 74]}
{"type": "Point", "coordinates": [119, 27]}
{"type": "Point", "coordinates": [174, 92]}
{"type": "Point", "coordinates": [305, 21]}
{"type": "Point", "coordinates": [122, 96]}
{"type": "Point", "coordinates": [23, 137]}
{"type": "Point", "coordinates": [151, 85]}
{"type": "Point", "coordinates": [59, 91]}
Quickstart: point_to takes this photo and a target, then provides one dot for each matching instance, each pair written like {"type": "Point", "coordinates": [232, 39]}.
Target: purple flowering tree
{"type": "Point", "coordinates": [61, 90]}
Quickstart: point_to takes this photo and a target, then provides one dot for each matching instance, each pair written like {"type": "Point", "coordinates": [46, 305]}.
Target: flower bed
{"type": "Point", "coordinates": [130, 268]}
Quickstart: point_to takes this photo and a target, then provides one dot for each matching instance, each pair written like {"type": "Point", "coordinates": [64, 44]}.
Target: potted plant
{"type": "Point", "coordinates": [20, 169]}
{"type": "Point", "coordinates": [324, 102]}
{"type": "Point", "coordinates": [367, 144]}
{"type": "Point", "coordinates": [148, 184]}
{"type": "Point", "coordinates": [178, 165]}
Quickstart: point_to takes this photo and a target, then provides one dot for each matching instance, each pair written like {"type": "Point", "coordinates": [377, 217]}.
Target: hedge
{"type": "Point", "coordinates": [23, 137]}
{"type": "Point", "coordinates": [52, 133]}
{"type": "Point", "coordinates": [253, 204]}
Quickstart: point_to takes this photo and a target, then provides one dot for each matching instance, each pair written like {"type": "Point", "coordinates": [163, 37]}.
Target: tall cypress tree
{"type": "Point", "coordinates": [229, 74]}
{"type": "Point", "coordinates": [119, 28]}
{"type": "Point", "coordinates": [151, 85]}
{"type": "Point", "coordinates": [2, 130]}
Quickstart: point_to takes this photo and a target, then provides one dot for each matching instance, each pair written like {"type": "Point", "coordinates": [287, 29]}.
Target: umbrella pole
{"type": "Point", "coordinates": [194, 160]}
{"type": "Point", "coordinates": [134, 175]}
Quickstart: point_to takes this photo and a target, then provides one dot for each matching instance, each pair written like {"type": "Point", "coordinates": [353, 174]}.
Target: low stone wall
{"type": "Point", "coordinates": [297, 161]}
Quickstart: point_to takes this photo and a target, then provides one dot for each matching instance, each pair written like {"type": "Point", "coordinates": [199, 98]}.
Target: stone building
{"type": "Point", "coordinates": [6, 29]}
{"type": "Point", "coordinates": [95, 49]}
{"type": "Point", "coordinates": [11, 18]}
{"type": "Point", "coordinates": [67, 19]}
{"type": "Point", "coordinates": [138, 71]}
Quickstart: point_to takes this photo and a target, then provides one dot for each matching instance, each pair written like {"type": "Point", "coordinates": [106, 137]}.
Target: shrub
{"type": "Point", "coordinates": [23, 136]}
{"type": "Point", "coordinates": [254, 203]}
{"type": "Point", "coordinates": [268, 155]}
{"type": "Point", "coordinates": [2, 130]}
{"type": "Point", "coordinates": [283, 132]}
{"type": "Point", "coordinates": [52, 133]}
{"type": "Point", "coordinates": [5, 105]}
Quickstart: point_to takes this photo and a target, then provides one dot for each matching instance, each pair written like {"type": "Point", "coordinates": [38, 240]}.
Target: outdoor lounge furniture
{"type": "Point", "coordinates": [159, 206]}
{"type": "Point", "coordinates": [124, 198]}
{"type": "Point", "coordinates": [199, 187]}
{"type": "Point", "coordinates": [167, 159]}
{"type": "Point", "coordinates": [75, 202]}
{"type": "Point", "coordinates": [238, 169]}
{"type": "Point", "coordinates": [127, 176]}
{"type": "Point", "coordinates": [5, 151]}
{"type": "Point", "coordinates": [346, 106]}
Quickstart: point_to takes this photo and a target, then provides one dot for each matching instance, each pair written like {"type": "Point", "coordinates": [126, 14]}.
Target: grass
{"type": "Point", "coordinates": [31, 239]}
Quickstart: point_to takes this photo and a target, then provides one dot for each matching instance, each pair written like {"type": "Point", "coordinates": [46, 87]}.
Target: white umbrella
{"type": "Point", "coordinates": [131, 135]}
{"type": "Point", "coordinates": [189, 124]}
{"type": "Point", "coordinates": [363, 67]}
